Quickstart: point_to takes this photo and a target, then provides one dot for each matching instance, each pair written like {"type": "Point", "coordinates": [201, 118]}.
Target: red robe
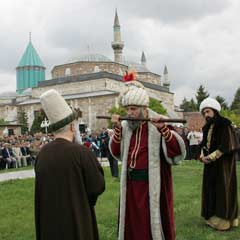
{"type": "Point", "coordinates": [137, 218]}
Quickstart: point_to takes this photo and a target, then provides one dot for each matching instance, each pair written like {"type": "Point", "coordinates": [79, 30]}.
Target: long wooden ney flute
{"type": "Point", "coordinates": [173, 120]}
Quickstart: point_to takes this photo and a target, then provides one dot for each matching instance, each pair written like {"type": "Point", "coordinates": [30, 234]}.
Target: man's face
{"type": "Point", "coordinates": [134, 112]}
{"type": "Point", "coordinates": [208, 113]}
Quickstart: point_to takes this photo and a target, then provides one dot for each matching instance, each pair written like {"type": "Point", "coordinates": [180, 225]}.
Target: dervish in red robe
{"type": "Point", "coordinates": [146, 194]}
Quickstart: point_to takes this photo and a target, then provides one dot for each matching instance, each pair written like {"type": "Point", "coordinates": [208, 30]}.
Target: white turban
{"type": "Point", "coordinates": [210, 103]}
{"type": "Point", "coordinates": [57, 110]}
{"type": "Point", "coordinates": [134, 95]}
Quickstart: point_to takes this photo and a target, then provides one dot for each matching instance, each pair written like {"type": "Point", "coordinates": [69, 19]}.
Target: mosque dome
{"type": "Point", "coordinates": [94, 57]}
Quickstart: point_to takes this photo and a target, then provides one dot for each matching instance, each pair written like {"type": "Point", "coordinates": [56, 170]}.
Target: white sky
{"type": "Point", "coordinates": [198, 40]}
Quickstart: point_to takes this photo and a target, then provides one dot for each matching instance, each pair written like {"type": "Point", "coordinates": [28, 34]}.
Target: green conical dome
{"type": "Point", "coordinates": [30, 70]}
{"type": "Point", "coordinates": [30, 57]}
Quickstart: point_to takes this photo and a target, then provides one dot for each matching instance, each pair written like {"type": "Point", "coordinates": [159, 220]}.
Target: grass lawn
{"type": "Point", "coordinates": [17, 216]}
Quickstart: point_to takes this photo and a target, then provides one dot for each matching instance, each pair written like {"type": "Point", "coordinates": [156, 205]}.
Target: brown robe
{"type": "Point", "coordinates": [68, 181]}
{"type": "Point", "coordinates": [219, 191]}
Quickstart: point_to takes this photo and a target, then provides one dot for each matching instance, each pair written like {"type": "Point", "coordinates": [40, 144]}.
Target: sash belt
{"type": "Point", "coordinates": [137, 174]}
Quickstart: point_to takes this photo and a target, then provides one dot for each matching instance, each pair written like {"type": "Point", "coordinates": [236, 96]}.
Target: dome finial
{"type": "Point", "coordinates": [30, 36]}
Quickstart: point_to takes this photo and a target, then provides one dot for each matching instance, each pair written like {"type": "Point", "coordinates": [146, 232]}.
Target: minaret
{"type": "Point", "coordinates": [166, 82]}
{"type": "Point", "coordinates": [143, 59]}
{"type": "Point", "coordinates": [117, 44]}
{"type": "Point", "coordinates": [30, 70]}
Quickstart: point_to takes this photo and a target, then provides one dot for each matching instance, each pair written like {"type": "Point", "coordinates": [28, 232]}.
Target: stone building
{"type": "Point", "coordinates": [91, 82]}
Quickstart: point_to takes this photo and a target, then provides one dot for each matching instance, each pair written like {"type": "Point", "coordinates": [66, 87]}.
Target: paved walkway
{"type": "Point", "coordinates": [30, 173]}
{"type": "Point", "coordinates": [17, 175]}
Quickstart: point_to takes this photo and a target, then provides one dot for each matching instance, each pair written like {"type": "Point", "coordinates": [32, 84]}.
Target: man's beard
{"type": "Point", "coordinates": [77, 138]}
{"type": "Point", "coordinates": [133, 125]}
{"type": "Point", "coordinates": [210, 120]}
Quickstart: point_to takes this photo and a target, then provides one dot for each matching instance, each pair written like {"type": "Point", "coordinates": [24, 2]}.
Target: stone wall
{"type": "Point", "coordinates": [72, 87]}
{"type": "Point", "coordinates": [149, 77]}
{"type": "Point", "coordinates": [88, 67]}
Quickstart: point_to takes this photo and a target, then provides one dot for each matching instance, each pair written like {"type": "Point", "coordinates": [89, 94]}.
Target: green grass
{"type": "Point", "coordinates": [17, 215]}
{"type": "Point", "coordinates": [187, 205]}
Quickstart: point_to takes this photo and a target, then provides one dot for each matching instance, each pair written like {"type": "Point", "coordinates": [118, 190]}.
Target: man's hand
{"type": "Point", "coordinates": [157, 124]}
{"type": "Point", "coordinates": [204, 160]}
{"type": "Point", "coordinates": [115, 120]}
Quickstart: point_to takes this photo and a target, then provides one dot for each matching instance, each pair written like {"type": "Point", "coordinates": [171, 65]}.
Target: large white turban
{"type": "Point", "coordinates": [135, 95]}
{"type": "Point", "coordinates": [210, 103]}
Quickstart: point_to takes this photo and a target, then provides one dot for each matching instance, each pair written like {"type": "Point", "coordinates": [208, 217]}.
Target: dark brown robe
{"type": "Point", "coordinates": [68, 181]}
{"type": "Point", "coordinates": [219, 191]}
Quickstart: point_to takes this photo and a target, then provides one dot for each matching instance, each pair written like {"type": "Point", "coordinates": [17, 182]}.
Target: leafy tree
{"type": "Point", "coordinates": [156, 106]}
{"type": "Point", "coordinates": [39, 117]}
{"type": "Point", "coordinates": [222, 102]}
{"type": "Point", "coordinates": [2, 121]}
{"type": "Point", "coordinates": [235, 106]}
{"type": "Point", "coordinates": [231, 115]}
{"type": "Point", "coordinates": [188, 106]}
{"type": "Point", "coordinates": [116, 110]}
{"type": "Point", "coordinates": [201, 95]}
{"type": "Point", "coordinates": [23, 120]}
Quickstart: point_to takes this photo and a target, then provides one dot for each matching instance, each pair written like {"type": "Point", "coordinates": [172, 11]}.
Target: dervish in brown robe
{"type": "Point", "coordinates": [219, 190]}
{"type": "Point", "coordinates": [69, 180]}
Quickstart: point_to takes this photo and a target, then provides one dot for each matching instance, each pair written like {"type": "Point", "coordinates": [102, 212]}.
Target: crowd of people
{"type": "Point", "coordinates": [20, 151]}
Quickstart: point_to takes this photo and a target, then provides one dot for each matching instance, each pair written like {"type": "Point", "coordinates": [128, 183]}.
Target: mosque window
{"type": "Point", "coordinates": [96, 69]}
{"type": "Point", "coordinates": [67, 72]}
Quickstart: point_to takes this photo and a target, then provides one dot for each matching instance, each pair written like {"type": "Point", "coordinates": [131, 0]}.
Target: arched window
{"type": "Point", "coordinates": [96, 69]}
{"type": "Point", "coordinates": [67, 72]}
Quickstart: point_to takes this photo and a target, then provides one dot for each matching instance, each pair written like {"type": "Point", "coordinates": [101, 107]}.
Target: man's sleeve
{"type": "Point", "coordinates": [173, 145]}
{"type": "Point", "coordinates": [93, 176]}
{"type": "Point", "coordinates": [115, 143]}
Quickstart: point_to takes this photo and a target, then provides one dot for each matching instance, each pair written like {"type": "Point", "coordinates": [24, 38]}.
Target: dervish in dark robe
{"type": "Point", "coordinates": [219, 190]}
{"type": "Point", "coordinates": [69, 180]}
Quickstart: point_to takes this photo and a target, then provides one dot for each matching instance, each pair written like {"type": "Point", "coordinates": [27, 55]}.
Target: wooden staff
{"type": "Point", "coordinates": [172, 120]}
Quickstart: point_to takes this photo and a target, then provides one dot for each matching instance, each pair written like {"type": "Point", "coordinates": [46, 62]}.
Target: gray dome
{"type": "Point", "coordinates": [137, 66]}
{"type": "Point", "coordinates": [90, 58]}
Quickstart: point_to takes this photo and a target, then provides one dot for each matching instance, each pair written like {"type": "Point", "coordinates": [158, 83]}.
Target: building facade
{"type": "Point", "coordinates": [91, 82]}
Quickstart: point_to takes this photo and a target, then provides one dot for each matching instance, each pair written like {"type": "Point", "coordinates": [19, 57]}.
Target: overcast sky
{"type": "Point", "coordinates": [198, 40]}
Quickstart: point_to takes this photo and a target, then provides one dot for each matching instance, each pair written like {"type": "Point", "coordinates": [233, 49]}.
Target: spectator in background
{"type": "Point", "coordinates": [26, 153]}
{"type": "Point", "coordinates": [8, 156]}
{"type": "Point", "coordinates": [113, 162]}
{"type": "Point", "coordinates": [194, 139]}
{"type": "Point", "coordinates": [21, 161]}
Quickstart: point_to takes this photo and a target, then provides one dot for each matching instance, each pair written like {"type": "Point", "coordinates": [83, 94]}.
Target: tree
{"type": "Point", "coordinates": [116, 110]}
{"type": "Point", "coordinates": [39, 117]}
{"type": "Point", "coordinates": [201, 95]}
{"type": "Point", "coordinates": [188, 106]}
{"type": "Point", "coordinates": [222, 102]}
{"type": "Point", "coordinates": [2, 121]}
{"type": "Point", "coordinates": [235, 106]}
{"type": "Point", "coordinates": [232, 115]}
{"type": "Point", "coordinates": [156, 106]}
{"type": "Point", "coordinates": [23, 120]}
